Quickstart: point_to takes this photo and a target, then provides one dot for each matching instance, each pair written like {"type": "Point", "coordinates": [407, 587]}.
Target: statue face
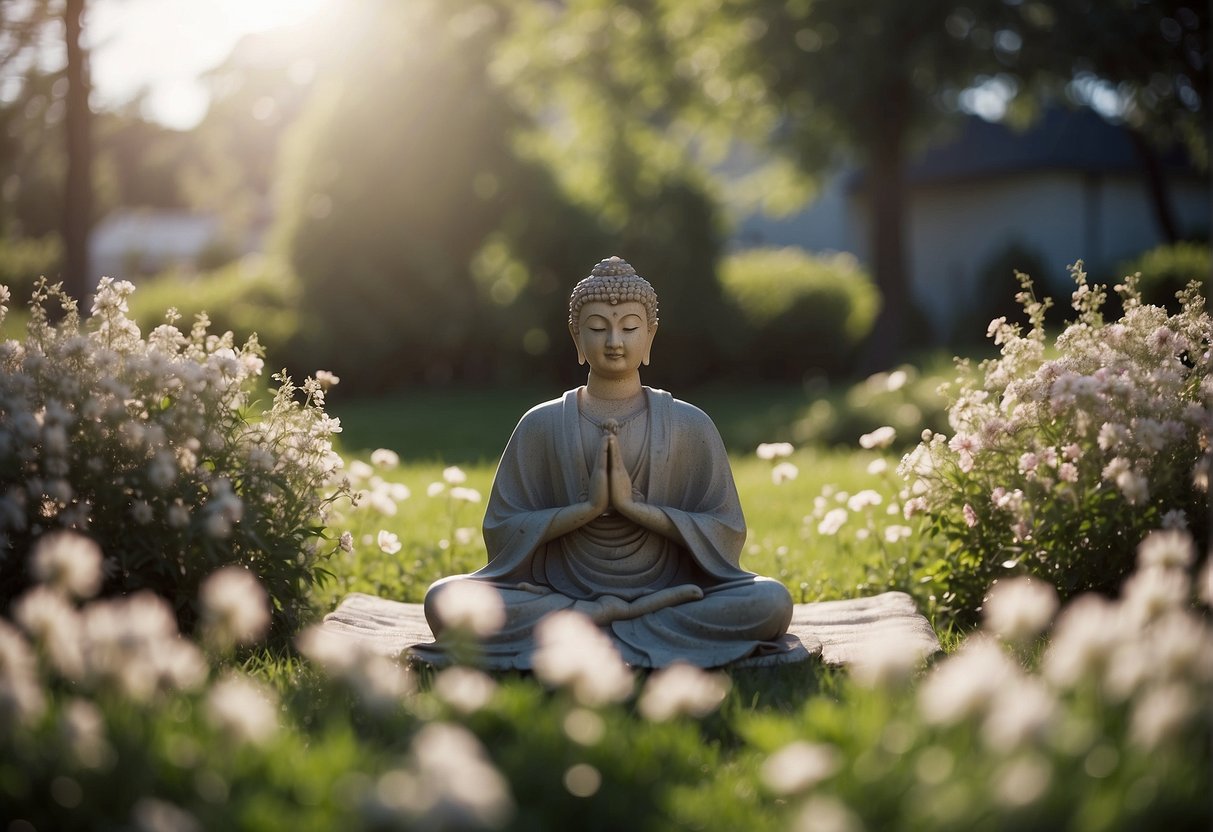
{"type": "Point", "coordinates": [615, 340]}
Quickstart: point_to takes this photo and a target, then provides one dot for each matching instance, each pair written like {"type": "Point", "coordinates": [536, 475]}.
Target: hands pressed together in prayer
{"type": "Point", "coordinates": [610, 489]}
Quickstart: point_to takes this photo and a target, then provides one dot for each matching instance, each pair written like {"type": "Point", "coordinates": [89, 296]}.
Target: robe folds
{"type": "Point", "coordinates": [677, 462]}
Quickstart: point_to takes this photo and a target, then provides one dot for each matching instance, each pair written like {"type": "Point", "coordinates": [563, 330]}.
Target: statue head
{"type": "Point", "coordinates": [612, 281]}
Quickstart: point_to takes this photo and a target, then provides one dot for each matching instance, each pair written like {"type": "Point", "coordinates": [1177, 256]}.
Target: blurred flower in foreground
{"type": "Point", "coordinates": [821, 813]}
{"type": "Point", "coordinates": [888, 661]}
{"type": "Point", "coordinates": [472, 607]}
{"type": "Point", "coordinates": [1169, 549]}
{"type": "Point", "coordinates": [962, 686]}
{"type": "Point", "coordinates": [235, 608]}
{"type": "Point", "coordinates": [682, 689]}
{"type": "Point", "coordinates": [448, 783]}
{"type": "Point", "coordinates": [465, 689]}
{"type": "Point", "coordinates": [21, 696]}
{"type": "Point", "coordinates": [69, 562]}
{"type": "Point", "coordinates": [798, 766]}
{"type": "Point", "coordinates": [1018, 609]}
{"type": "Point", "coordinates": [574, 653]}
{"type": "Point", "coordinates": [380, 682]}
{"type": "Point", "coordinates": [133, 643]}
{"type": "Point", "coordinates": [243, 709]}
{"type": "Point", "coordinates": [454, 475]}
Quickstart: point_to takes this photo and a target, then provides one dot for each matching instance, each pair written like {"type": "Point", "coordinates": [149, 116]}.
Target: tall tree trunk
{"type": "Point", "coordinates": [1156, 185]}
{"type": "Point", "coordinates": [78, 191]}
{"type": "Point", "coordinates": [886, 192]}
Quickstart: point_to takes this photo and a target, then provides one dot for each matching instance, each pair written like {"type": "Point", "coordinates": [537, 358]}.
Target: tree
{"type": "Point", "coordinates": [424, 242]}
{"type": "Point", "coordinates": [822, 81]}
{"type": "Point", "coordinates": [1158, 87]}
{"type": "Point", "coordinates": [78, 184]}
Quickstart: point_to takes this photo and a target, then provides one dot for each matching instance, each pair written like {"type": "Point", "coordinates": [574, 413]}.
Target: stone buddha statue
{"type": "Point", "coordinates": [616, 500]}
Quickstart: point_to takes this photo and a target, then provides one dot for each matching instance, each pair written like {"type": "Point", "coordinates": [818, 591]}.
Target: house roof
{"type": "Point", "coordinates": [1061, 139]}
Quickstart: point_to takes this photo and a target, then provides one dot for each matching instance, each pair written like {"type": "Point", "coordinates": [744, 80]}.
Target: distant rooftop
{"type": "Point", "coordinates": [1061, 139]}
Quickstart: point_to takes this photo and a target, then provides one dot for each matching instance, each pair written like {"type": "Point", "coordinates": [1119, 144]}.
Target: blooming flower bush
{"type": "Point", "coordinates": [1062, 458]}
{"type": "Point", "coordinates": [152, 447]}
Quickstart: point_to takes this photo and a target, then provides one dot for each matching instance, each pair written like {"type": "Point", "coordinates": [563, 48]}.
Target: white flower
{"type": "Point", "coordinates": [1163, 712]}
{"type": "Point", "coordinates": [1022, 710]}
{"type": "Point", "coordinates": [235, 607]}
{"type": "Point", "coordinates": [1150, 593]}
{"type": "Point", "coordinates": [346, 541]}
{"type": "Point", "coordinates": [1134, 486]}
{"type": "Point", "coordinates": [379, 682]}
{"type": "Point", "coordinates": [784, 471]}
{"type": "Point", "coordinates": [1018, 609]}
{"type": "Point", "coordinates": [82, 728]}
{"type": "Point", "coordinates": [864, 499]}
{"type": "Point", "coordinates": [878, 466]}
{"type": "Point", "coordinates": [882, 437]}
{"type": "Point", "coordinates": [774, 450]}
{"type": "Point", "coordinates": [1022, 781]}
{"type": "Point", "coordinates": [895, 533]}
{"type": "Point", "coordinates": [449, 783]}
{"type": "Point", "coordinates": [832, 522]}
{"type": "Point", "coordinates": [682, 689]}
{"type": "Point", "coordinates": [22, 699]}
{"type": "Point", "coordinates": [54, 625]}
{"type": "Point", "coordinates": [1171, 549]}
{"type": "Point", "coordinates": [467, 495]}
{"type": "Point", "coordinates": [384, 458]}
{"type": "Point", "coordinates": [327, 379]}
{"type": "Point", "coordinates": [821, 813]}
{"type": "Point", "coordinates": [243, 709]}
{"type": "Point", "coordinates": [388, 542]}
{"type": "Point", "coordinates": [68, 562]}
{"type": "Point", "coordinates": [962, 686]}
{"type": "Point", "coordinates": [1204, 583]}
{"type": "Point", "coordinates": [1085, 636]}
{"type": "Point", "coordinates": [572, 652]}
{"type": "Point", "coordinates": [888, 661]}
{"type": "Point", "coordinates": [434, 489]}
{"type": "Point", "coordinates": [359, 470]}
{"type": "Point", "coordinates": [454, 475]}
{"type": "Point", "coordinates": [798, 766]}
{"type": "Point", "coordinates": [465, 689]}
{"type": "Point", "coordinates": [474, 607]}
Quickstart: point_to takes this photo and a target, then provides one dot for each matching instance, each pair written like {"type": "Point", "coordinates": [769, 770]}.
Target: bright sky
{"type": "Point", "coordinates": [164, 45]}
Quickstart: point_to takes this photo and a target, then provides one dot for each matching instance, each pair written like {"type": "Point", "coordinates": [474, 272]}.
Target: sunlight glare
{"type": "Point", "coordinates": [161, 47]}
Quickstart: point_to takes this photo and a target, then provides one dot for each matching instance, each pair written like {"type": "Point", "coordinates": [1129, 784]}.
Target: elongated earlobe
{"type": "Point", "coordinates": [577, 344]}
{"type": "Point", "coordinates": [648, 350]}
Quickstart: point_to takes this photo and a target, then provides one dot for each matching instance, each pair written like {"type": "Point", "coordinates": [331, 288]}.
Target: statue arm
{"type": "Point", "coordinates": [573, 517]}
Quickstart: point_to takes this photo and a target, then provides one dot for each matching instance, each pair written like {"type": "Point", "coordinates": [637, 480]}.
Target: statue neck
{"type": "Point", "coordinates": [614, 389]}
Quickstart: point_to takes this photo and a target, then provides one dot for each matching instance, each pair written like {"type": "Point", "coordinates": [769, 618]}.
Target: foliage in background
{"type": "Point", "coordinates": [1060, 463]}
{"type": "Point", "coordinates": [1165, 271]}
{"type": "Point", "coordinates": [256, 295]}
{"type": "Point", "coordinates": [150, 447]}
{"type": "Point", "coordinates": [802, 313]}
{"type": "Point", "coordinates": [415, 227]}
{"type": "Point", "coordinates": [24, 260]}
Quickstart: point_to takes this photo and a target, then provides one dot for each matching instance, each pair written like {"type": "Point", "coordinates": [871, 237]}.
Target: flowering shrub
{"type": "Point", "coordinates": [151, 447]}
{"type": "Point", "coordinates": [1062, 459]}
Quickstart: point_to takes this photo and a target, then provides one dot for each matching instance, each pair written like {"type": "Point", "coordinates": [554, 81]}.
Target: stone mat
{"type": "Point", "coordinates": [840, 632]}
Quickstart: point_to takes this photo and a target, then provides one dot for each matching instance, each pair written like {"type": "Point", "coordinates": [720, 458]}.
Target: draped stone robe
{"type": "Point", "coordinates": [677, 462]}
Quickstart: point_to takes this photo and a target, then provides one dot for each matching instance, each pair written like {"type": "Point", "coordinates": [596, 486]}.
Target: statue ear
{"type": "Point", "coordinates": [648, 349]}
{"type": "Point", "coordinates": [577, 343]}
